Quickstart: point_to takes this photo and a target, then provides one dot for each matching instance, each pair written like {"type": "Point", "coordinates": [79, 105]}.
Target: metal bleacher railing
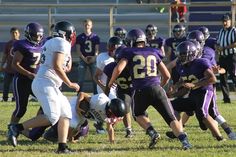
{"type": "Point", "coordinates": [114, 17]}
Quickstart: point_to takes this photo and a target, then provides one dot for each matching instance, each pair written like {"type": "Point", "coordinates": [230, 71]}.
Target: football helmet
{"type": "Point", "coordinates": [186, 52]}
{"type": "Point", "coordinates": [113, 43]}
{"type": "Point", "coordinates": [199, 48]}
{"type": "Point", "coordinates": [65, 29]}
{"type": "Point", "coordinates": [117, 107]}
{"type": "Point", "coordinates": [198, 36]}
{"type": "Point", "coordinates": [134, 36]}
{"type": "Point", "coordinates": [178, 31]}
{"type": "Point", "coordinates": [34, 32]}
{"type": "Point", "coordinates": [205, 32]}
{"type": "Point", "coordinates": [151, 30]}
{"type": "Point", "coordinates": [120, 32]}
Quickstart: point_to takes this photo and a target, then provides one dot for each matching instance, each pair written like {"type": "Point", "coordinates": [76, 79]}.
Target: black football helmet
{"type": "Point", "coordinates": [134, 36]}
{"type": "Point", "coordinates": [186, 52]}
{"type": "Point", "coordinates": [151, 30]}
{"type": "Point", "coordinates": [113, 43]}
{"type": "Point", "coordinates": [65, 29]}
{"type": "Point", "coordinates": [198, 36]}
{"type": "Point", "coordinates": [33, 31]}
{"type": "Point", "coordinates": [179, 31]}
{"type": "Point", "coordinates": [120, 32]}
{"type": "Point", "coordinates": [205, 32]}
{"type": "Point", "coordinates": [117, 107]}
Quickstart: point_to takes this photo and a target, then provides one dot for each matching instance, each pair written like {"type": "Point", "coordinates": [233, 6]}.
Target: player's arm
{"type": "Point", "coordinates": [96, 78]}
{"type": "Point", "coordinates": [117, 71]}
{"type": "Point", "coordinates": [58, 60]}
{"type": "Point", "coordinates": [164, 73]}
{"type": "Point", "coordinates": [97, 47]}
{"type": "Point", "coordinates": [171, 65]}
{"type": "Point", "coordinates": [111, 133]}
{"type": "Point", "coordinates": [80, 53]}
{"type": "Point", "coordinates": [17, 59]}
{"type": "Point", "coordinates": [209, 78]}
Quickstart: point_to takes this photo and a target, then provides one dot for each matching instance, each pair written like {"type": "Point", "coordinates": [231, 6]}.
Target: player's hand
{"type": "Point", "coordinates": [74, 86]}
{"type": "Point", "coordinates": [189, 85]}
{"type": "Point", "coordinates": [31, 76]}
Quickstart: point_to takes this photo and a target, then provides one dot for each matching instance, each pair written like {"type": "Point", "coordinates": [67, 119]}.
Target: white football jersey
{"type": "Point", "coordinates": [102, 60]}
{"type": "Point", "coordinates": [52, 46]}
{"type": "Point", "coordinates": [98, 104]}
{"type": "Point", "coordinates": [76, 120]}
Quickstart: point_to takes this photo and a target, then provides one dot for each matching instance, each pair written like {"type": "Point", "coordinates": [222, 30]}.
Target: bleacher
{"type": "Point", "coordinates": [126, 15]}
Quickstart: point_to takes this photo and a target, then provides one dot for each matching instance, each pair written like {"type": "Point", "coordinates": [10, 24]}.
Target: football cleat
{"type": "Point", "coordinates": [51, 135]}
{"type": "Point", "coordinates": [129, 133]}
{"type": "Point", "coordinates": [64, 151]}
{"type": "Point", "coordinates": [170, 134]}
{"type": "Point", "coordinates": [232, 136]}
{"type": "Point", "coordinates": [154, 140]}
{"type": "Point", "coordinates": [13, 133]}
{"type": "Point", "coordinates": [186, 145]}
{"type": "Point", "coordinates": [99, 128]}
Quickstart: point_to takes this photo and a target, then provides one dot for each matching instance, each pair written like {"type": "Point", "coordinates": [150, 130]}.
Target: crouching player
{"type": "Point", "coordinates": [101, 109]}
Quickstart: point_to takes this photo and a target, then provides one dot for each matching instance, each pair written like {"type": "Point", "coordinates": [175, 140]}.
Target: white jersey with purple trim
{"type": "Point", "coordinates": [76, 120]}
{"type": "Point", "coordinates": [98, 104]}
{"type": "Point", "coordinates": [54, 45]}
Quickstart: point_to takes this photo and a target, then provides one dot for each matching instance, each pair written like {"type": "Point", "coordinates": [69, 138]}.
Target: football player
{"type": "Point", "coordinates": [25, 62]}
{"type": "Point", "coordinates": [198, 78]}
{"type": "Point", "coordinates": [144, 65]}
{"type": "Point", "coordinates": [152, 39]}
{"type": "Point", "coordinates": [55, 62]}
{"type": "Point", "coordinates": [102, 109]}
{"type": "Point", "coordinates": [170, 47]}
{"type": "Point", "coordinates": [124, 85]}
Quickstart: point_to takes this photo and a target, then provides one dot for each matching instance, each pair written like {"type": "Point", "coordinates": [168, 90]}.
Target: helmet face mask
{"type": "Point", "coordinates": [34, 33]}
{"type": "Point", "coordinates": [151, 31]}
{"type": "Point", "coordinates": [186, 51]}
{"type": "Point", "coordinates": [178, 31]}
{"type": "Point", "coordinates": [205, 32]}
{"type": "Point", "coordinates": [121, 33]}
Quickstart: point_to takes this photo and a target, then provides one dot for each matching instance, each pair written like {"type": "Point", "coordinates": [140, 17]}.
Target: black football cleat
{"type": "Point", "coordinates": [13, 133]}
{"type": "Point", "coordinates": [154, 140]}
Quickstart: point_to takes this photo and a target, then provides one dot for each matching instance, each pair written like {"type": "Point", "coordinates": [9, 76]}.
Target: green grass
{"type": "Point", "coordinates": [98, 146]}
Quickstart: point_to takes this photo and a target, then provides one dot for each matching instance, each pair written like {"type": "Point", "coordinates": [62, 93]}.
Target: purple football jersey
{"type": "Point", "coordinates": [210, 42]}
{"type": "Point", "coordinates": [194, 71]}
{"type": "Point", "coordinates": [142, 65]}
{"type": "Point", "coordinates": [31, 54]}
{"type": "Point", "coordinates": [156, 43]}
{"type": "Point", "coordinates": [87, 43]}
{"type": "Point", "coordinates": [173, 43]}
{"type": "Point", "coordinates": [123, 81]}
{"type": "Point", "coordinates": [209, 54]}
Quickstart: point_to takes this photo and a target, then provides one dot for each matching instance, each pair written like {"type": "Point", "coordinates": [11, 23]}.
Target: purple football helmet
{"type": "Point", "coordinates": [134, 36]}
{"type": "Point", "coordinates": [151, 30]}
{"type": "Point", "coordinates": [178, 31]}
{"type": "Point", "coordinates": [199, 48]}
{"type": "Point", "coordinates": [120, 32]}
{"type": "Point", "coordinates": [33, 31]}
{"type": "Point", "coordinates": [205, 32]}
{"type": "Point", "coordinates": [198, 36]}
{"type": "Point", "coordinates": [186, 51]}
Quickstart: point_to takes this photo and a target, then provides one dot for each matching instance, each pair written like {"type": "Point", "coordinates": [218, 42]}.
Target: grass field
{"type": "Point", "coordinates": [98, 146]}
